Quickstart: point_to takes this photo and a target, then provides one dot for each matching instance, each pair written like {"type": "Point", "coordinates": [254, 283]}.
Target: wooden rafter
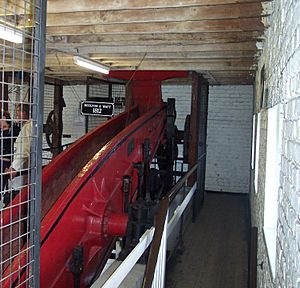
{"type": "Point", "coordinates": [217, 38]}
{"type": "Point", "coordinates": [62, 6]}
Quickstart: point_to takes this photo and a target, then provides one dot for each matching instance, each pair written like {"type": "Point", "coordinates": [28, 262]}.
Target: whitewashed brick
{"type": "Point", "coordinates": [48, 106]}
{"type": "Point", "coordinates": [182, 95]}
{"type": "Point", "coordinates": [229, 138]}
{"type": "Point", "coordinates": [73, 121]}
{"type": "Point", "coordinates": [281, 57]}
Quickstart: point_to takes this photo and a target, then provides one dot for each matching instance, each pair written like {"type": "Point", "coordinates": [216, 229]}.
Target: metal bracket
{"type": "Point", "coordinates": [76, 264]}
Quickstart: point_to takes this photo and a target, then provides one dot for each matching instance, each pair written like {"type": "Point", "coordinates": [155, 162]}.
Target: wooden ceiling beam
{"type": "Point", "coordinates": [91, 50]}
{"type": "Point", "coordinates": [186, 65]}
{"type": "Point", "coordinates": [221, 54]}
{"type": "Point", "coordinates": [62, 6]}
{"type": "Point", "coordinates": [72, 77]}
{"type": "Point", "coordinates": [233, 11]}
{"type": "Point", "coordinates": [214, 37]}
{"type": "Point", "coordinates": [164, 66]}
{"type": "Point", "coordinates": [69, 59]}
{"type": "Point", "coordinates": [179, 55]}
{"type": "Point", "coordinates": [201, 55]}
{"type": "Point", "coordinates": [225, 25]}
{"type": "Point", "coordinates": [234, 73]}
{"type": "Point", "coordinates": [159, 62]}
{"type": "Point", "coordinates": [152, 39]}
{"type": "Point", "coordinates": [11, 7]}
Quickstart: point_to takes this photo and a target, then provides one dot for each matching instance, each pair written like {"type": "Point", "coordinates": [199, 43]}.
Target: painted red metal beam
{"type": "Point", "coordinates": [82, 199]}
{"type": "Point", "coordinates": [62, 170]}
{"type": "Point", "coordinates": [95, 194]}
{"type": "Point", "coordinates": [144, 87]}
{"type": "Point", "coordinates": [147, 75]}
{"type": "Point", "coordinates": [89, 212]}
{"type": "Point", "coordinates": [55, 178]}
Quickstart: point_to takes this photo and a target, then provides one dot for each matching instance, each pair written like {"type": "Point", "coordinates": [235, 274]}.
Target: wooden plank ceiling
{"type": "Point", "coordinates": [214, 37]}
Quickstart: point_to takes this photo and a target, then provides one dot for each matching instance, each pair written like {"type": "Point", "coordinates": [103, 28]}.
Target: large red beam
{"type": "Point", "coordinates": [144, 87]}
{"type": "Point", "coordinates": [89, 211]}
{"type": "Point", "coordinates": [82, 199]}
{"type": "Point", "coordinates": [147, 75]}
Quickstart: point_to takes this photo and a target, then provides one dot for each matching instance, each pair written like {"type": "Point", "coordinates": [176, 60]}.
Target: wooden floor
{"type": "Point", "coordinates": [215, 246]}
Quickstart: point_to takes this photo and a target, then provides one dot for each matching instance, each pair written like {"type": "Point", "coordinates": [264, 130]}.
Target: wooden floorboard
{"type": "Point", "coordinates": [216, 246]}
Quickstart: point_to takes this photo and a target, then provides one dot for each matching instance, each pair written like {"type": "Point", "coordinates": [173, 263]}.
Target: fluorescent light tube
{"type": "Point", "coordinates": [10, 34]}
{"type": "Point", "coordinates": [90, 64]}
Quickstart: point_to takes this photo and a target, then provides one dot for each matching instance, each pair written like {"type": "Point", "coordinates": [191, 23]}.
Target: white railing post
{"type": "Point", "coordinates": [115, 277]}
{"type": "Point", "coordinates": [160, 269]}
{"type": "Point", "coordinates": [125, 267]}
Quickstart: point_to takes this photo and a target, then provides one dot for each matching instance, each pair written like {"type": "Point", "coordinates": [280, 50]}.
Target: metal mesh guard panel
{"type": "Point", "coordinates": [21, 39]}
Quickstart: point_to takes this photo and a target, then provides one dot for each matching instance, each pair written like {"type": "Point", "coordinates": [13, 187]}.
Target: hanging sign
{"type": "Point", "coordinates": [91, 108]}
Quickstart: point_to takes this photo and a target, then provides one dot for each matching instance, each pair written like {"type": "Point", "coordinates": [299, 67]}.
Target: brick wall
{"type": "Point", "coordinates": [48, 107]}
{"type": "Point", "coordinates": [229, 131]}
{"type": "Point", "coordinates": [182, 95]}
{"type": "Point", "coordinates": [97, 91]}
{"type": "Point", "coordinates": [281, 57]}
{"type": "Point", "coordinates": [73, 121]}
{"type": "Point", "coordinates": [228, 135]}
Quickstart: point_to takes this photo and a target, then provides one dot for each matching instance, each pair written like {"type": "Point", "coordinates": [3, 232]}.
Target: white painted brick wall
{"type": "Point", "coordinates": [48, 106]}
{"type": "Point", "coordinates": [229, 131]}
{"type": "Point", "coordinates": [281, 57]}
{"type": "Point", "coordinates": [182, 95]}
{"type": "Point", "coordinates": [228, 135]}
{"type": "Point", "coordinates": [97, 91]}
{"type": "Point", "coordinates": [73, 121]}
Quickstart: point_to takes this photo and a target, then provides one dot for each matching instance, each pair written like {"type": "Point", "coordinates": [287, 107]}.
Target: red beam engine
{"type": "Point", "coordinates": [88, 188]}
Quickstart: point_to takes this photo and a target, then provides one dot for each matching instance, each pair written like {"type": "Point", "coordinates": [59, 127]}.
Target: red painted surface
{"type": "Point", "coordinates": [55, 178]}
{"type": "Point", "coordinates": [116, 224]}
{"type": "Point", "coordinates": [82, 199]}
{"type": "Point", "coordinates": [89, 211]}
{"type": "Point", "coordinates": [95, 192]}
{"type": "Point", "coordinates": [147, 75]}
{"type": "Point", "coordinates": [145, 94]}
{"type": "Point", "coordinates": [145, 86]}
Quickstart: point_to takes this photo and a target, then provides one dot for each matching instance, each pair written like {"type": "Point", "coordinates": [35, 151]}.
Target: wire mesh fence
{"type": "Point", "coordinates": [118, 96]}
{"type": "Point", "coordinates": [98, 92]}
{"type": "Point", "coordinates": [105, 92]}
{"type": "Point", "coordinates": [22, 31]}
{"type": "Point", "coordinates": [74, 124]}
{"type": "Point", "coordinates": [48, 107]}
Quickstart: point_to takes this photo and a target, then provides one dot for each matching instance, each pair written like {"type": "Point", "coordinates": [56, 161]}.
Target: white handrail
{"type": "Point", "coordinates": [180, 209]}
{"type": "Point", "coordinates": [160, 268]}
{"type": "Point", "coordinates": [123, 269]}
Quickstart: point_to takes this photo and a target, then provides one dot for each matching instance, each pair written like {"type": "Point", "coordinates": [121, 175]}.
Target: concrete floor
{"type": "Point", "coordinates": [215, 246]}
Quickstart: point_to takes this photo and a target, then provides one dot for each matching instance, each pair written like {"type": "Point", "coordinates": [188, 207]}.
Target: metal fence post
{"type": "Point", "coordinates": [38, 99]}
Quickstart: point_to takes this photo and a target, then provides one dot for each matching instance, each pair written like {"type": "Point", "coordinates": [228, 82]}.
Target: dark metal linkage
{"type": "Point", "coordinates": [76, 264]}
{"type": "Point", "coordinates": [173, 192]}
{"type": "Point", "coordinates": [126, 191]}
{"type": "Point", "coordinates": [159, 227]}
{"type": "Point", "coordinates": [146, 182]}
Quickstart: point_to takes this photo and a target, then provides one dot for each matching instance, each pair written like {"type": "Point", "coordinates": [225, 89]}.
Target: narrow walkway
{"type": "Point", "coordinates": [215, 246]}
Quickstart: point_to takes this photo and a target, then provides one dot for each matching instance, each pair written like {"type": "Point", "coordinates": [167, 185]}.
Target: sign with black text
{"type": "Point", "coordinates": [91, 108]}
